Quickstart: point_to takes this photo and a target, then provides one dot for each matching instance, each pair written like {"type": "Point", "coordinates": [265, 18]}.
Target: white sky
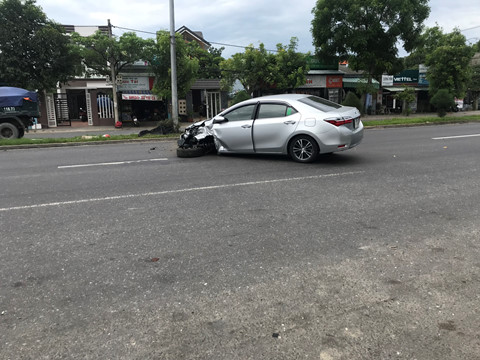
{"type": "Point", "coordinates": [237, 22]}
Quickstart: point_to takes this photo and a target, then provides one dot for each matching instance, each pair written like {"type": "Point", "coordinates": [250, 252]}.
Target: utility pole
{"type": "Point", "coordinates": [113, 78]}
{"type": "Point", "coordinates": [173, 64]}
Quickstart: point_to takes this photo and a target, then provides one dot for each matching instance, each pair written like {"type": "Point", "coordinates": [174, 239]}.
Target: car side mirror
{"type": "Point", "coordinates": [220, 120]}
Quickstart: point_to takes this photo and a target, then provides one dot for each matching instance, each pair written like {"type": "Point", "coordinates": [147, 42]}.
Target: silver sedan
{"type": "Point", "coordinates": [301, 126]}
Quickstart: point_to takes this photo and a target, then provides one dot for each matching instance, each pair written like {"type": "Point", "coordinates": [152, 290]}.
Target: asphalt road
{"type": "Point", "coordinates": [127, 252]}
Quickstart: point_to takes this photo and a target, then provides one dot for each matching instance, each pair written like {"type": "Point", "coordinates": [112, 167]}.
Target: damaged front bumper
{"type": "Point", "coordinates": [197, 135]}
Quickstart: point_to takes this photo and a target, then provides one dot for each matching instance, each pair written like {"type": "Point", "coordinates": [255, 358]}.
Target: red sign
{"type": "Point", "coordinates": [334, 81]}
{"type": "Point", "coordinates": [139, 97]}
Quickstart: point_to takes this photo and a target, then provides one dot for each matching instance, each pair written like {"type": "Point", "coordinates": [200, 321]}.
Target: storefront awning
{"type": "Point", "coordinates": [356, 81]}
{"type": "Point", "coordinates": [144, 95]}
{"type": "Point", "coordinates": [401, 88]}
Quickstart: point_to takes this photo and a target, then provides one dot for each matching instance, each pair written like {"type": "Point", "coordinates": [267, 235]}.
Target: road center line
{"type": "Point", "coordinates": [166, 192]}
{"type": "Point", "coordinates": [455, 137]}
{"type": "Point", "coordinates": [109, 163]}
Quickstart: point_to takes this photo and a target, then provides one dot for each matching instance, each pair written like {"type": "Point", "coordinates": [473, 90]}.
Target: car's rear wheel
{"type": "Point", "coordinates": [303, 148]}
{"type": "Point", "coordinates": [190, 152]}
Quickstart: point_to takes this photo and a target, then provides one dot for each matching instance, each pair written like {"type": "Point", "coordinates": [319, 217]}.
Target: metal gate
{"type": "Point", "coordinates": [213, 103]}
{"type": "Point", "coordinates": [105, 106]}
{"type": "Point", "coordinates": [62, 108]}
{"type": "Point", "coordinates": [88, 101]}
{"type": "Point", "coordinates": [62, 114]}
{"type": "Point", "coordinates": [50, 105]}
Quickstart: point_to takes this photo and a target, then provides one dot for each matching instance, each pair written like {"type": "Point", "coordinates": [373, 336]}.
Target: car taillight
{"type": "Point", "coordinates": [339, 121]}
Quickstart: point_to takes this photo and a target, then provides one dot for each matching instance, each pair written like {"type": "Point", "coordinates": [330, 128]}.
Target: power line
{"type": "Point", "coordinates": [211, 42]}
{"type": "Point", "coordinates": [141, 31]}
{"type": "Point", "coordinates": [475, 27]}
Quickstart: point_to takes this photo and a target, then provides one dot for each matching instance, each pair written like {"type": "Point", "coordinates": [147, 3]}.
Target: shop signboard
{"type": "Point", "coordinates": [316, 81]}
{"type": "Point", "coordinates": [422, 75]}
{"type": "Point", "coordinates": [387, 80]}
{"type": "Point", "coordinates": [422, 79]}
{"type": "Point", "coordinates": [314, 63]}
{"type": "Point", "coordinates": [334, 81]}
{"type": "Point", "coordinates": [409, 77]}
{"type": "Point", "coordinates": [144, 97]}
{"type": "Point", "coordinates": [134, 83]}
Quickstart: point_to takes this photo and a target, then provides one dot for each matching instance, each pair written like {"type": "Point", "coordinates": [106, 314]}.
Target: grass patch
{"type": "Point", "coordinates": [82, 139]}
{"type": "Point", "coordinates": [422, 120]}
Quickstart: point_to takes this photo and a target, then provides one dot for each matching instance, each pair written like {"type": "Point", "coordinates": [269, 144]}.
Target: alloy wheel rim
{"type": "Point", "coordinates": [303, 149]}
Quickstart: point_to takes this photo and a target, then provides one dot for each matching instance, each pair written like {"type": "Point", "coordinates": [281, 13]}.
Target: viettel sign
{"type": "Point", "coordinates": [406, 77]}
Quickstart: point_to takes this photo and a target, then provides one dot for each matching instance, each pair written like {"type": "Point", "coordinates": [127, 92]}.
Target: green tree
{"type": "Point", "coordinates": [35, 51]}
{"type": "Point", "coordinates": [449, 64]}
{"type": "Point", "coordinates": [259, 70]}
{"type": "Point", "coordinates": [239, 97]}
{"type": "Point", "coordinates": [366, 32]}
{"type": "Point", "coordinates": [476, 47]}
{"type": "Point", "coordinates": [407, 96]}
{"type": "Point", "coordinates": [101, 52]}
{"type": "Point", "coordinates": [208, 60]}
{"type": "Point", "coordinates": [254, 68]}
{"type": "Point", "coordinates": [352, 100]}
{"type": "Point", "coordinates": [108, 55]}
{"type": "Point", "coordinates": [428, 41]}
{"type": "Point", "coordinates": [291, 66]}
{"type": "Point", "coordinates": [474, 86]}
{"type": "Point", "coordinates": [159, 58]}
{"type": "Point", "coordinates": [443, 101]}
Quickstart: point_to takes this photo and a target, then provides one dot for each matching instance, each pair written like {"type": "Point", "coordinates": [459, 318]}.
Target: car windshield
{"type": "Point", "coordinates": [320, 104]}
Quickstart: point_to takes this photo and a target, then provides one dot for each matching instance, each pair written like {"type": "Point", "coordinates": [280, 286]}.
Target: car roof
{"type": "Point", "coordinates": [282, 97]}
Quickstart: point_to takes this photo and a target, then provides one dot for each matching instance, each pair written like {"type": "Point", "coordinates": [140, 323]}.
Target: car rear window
{"type": "Point", "coordinates": [320, 103]}
{"type": "Point", "coordinates": [268, 111]}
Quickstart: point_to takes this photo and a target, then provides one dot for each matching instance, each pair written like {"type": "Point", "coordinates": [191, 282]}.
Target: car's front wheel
{"type": "Point", "coordinates": [304, 149]}
{"type": "Point", "coordinates": [190, 152]}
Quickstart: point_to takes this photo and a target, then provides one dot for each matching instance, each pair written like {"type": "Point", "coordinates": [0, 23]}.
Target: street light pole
{"type": "Point", "coordinates": [114, 79]}
{"type": "Point", "coordinates": [173, 64]}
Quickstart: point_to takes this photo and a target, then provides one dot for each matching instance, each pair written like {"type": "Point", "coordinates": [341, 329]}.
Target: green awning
{"type": "Point", "coordinates": [402, 88]}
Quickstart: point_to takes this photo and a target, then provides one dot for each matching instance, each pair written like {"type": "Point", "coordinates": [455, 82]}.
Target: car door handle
{"type": "Point", "coordinates": [246, 126]}
{"type": "Point", "coordinates": [289, 122]}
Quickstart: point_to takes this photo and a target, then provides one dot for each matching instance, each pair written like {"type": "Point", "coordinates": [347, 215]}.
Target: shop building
{"type": "Point", "coordinates": [323, 80]}
{"type": "Point", "coordinates": [89, 101]}
{"type": "Point", "coordinates": [415, 79]}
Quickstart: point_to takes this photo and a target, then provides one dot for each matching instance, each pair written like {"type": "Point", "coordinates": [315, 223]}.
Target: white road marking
{"type": "Point", "coordinates": [455, 137]}
{"type": "Point", "coordinates": [109, 163]}
{"type": "Point", "coordinates": [166, 192]}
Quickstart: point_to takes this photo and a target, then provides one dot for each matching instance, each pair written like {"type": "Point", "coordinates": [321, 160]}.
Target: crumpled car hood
{"type": "Point", "coordinates": [200, 129]}
{"type": "Point", "coordinates": [197, 134]}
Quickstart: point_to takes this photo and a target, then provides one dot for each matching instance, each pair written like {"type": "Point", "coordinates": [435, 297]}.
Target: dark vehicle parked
{"type": "Point", "coordinates": [18, 107]}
